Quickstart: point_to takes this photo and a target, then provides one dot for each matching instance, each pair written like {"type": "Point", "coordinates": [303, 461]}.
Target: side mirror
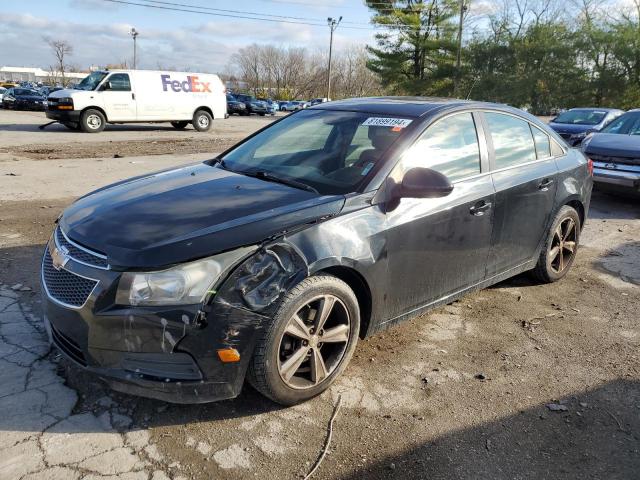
{"type": "Point", "coordinates": [424, 183]}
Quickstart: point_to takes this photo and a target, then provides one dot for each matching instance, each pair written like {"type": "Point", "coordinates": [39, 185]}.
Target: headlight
{"type": "Point", "coordinates": [181, 285]}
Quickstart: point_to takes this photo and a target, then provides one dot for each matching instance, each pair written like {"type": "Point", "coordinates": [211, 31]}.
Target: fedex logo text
{"type": "Point", "coordinates": [190, 85]}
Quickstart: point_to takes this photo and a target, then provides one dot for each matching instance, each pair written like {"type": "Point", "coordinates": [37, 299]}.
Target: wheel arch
{"type": "Point", "coordinates": [206, 109]}
{"type": "Point", "coordinates": [578, 206]}
{"type": "Point", "coordinates": [356, 281]}
{"type": "Point", "coordinates": [93, 107]}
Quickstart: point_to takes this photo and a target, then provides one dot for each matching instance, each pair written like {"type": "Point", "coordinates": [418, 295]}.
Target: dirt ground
{"type": "Point", "coordinates": [519, 381]}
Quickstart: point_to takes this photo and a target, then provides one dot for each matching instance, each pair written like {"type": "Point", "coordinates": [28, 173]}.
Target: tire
{"type": "Point", "coordinates": [202, 121]}
{"type": "Point", "coordinates": [275, 347]}
{"type": "Point", "coordinates": [560, 246]}
{"type": "Point", "coordinates": [179, 125]}
{"type": "Point", "coordinates": [92, 121]}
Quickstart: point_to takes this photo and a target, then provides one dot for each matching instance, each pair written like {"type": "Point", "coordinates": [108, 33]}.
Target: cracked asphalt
{"type": "Point", "coordinates": [518, 381]}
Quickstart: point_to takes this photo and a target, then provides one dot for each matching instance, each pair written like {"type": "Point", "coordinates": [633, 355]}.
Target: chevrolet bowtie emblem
{"type": "Point", "coordinates": [59, 257]}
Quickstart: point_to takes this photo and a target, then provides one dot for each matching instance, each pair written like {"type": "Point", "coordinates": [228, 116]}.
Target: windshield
{"type": "Point", "coordinates": [581, 117]}
{"type": "Point", "coordinates": [330, 151]}
{"type": "Point", "coordinates": [91, 82]}
{"type": "Point", "coordinates": [627, 124]}
{"type": "Point", "coordinates": [25, 91]}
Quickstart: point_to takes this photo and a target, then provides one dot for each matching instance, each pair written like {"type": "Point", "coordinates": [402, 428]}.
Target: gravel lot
{"type": "Point", "coordinates": [519, 381]}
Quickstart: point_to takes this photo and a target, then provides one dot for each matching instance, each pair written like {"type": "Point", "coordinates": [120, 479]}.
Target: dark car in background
{"type": "Point", "coordinates": [270, 261]}
{"type": "Point", "coordinates": [574, 125]}
{"type": "Point", "coordinates": [252, 104]}
{"type": "Point", "coordinates": [615, 152]}
{"type": "Point", "coordinates": [235, 106]}
{"type": "Point", "coordinates": [23, 99]}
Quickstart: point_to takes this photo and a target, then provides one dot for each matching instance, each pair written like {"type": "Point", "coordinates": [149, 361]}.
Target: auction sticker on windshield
{"type": "Point", "coordinates": [386, 122]}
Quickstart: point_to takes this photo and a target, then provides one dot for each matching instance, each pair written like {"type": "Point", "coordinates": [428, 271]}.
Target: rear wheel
{"type": "Point", "coordinates": [202, 120]}
{"type": "Point", "coordinates": [309, 342]}
{"type": "Point", "coordinates": [179, 125]}
{"type": "Point", "coordinates": [92, 121]}
{"type": "Point", "coordinates": [560, 248]}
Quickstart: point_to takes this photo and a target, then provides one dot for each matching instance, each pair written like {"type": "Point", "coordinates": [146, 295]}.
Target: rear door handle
{"type": "Point", "coordinates": [545, 184]}
{"type": "Point", "coordinates": [479, 208]}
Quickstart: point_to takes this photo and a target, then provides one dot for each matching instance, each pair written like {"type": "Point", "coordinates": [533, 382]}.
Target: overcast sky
{"type": "Point", "coordinates": [98, 30]}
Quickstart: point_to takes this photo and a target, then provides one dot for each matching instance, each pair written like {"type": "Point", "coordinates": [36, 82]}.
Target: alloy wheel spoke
{"type": "Point", "coordinates": [326, 306]}
{"type": "Point", "coordinates": [561, 264]}
{"type": "Point", "coordinates": [297, 328]}
{"type": "Point", "coordinates": [568, 229]}
{"type": "Point", "coordinates": [571, 246]}
{"type": "Point", "coordinates": [337, 334]}
{"type": "Point", "coordinates": [318, 367]}
{"type": "Point", "coordinates": [553, 253]}
{"type": "Point", "coordinates": [291, 366]}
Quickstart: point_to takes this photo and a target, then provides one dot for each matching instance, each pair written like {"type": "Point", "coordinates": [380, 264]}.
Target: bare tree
{"type": "Point", "coordinates": [61, 49]}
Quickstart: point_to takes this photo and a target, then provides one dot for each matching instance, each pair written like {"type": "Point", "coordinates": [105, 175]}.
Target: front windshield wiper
{"type": "Point", "coordinates": [270, 177]}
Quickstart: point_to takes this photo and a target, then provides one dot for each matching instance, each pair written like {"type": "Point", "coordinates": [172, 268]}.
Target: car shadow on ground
{"type": "Point", "coordinates": [612, 206]}
{"type": "Point", "coordinates": [593, 434]}
{"type": "Point", "coordinates": [132, 127]}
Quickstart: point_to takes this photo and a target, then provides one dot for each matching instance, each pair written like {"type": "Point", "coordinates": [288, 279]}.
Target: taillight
{"type": "Point", "coordinates": [590, 166]}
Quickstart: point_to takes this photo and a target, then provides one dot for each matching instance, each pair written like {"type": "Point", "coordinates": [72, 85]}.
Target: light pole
{"type": "Point", "coordinates": [456, 80]}
{"type": "Point", "coordinates": [134, 33]}
{"type": "Point", "coordinates": [333, 24]}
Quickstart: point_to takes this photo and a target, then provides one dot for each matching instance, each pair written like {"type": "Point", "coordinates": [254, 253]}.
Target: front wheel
{"type": "Point", "coordinates": [560, 247]}
{"type": "Point", "coordinates": [309, 342]}
{"type": "Point", "coordinates": [202, 120]}
{"type": "Point", "coordinates": [92, 121]}
{"type": "Point", "coordinates": [179, 125]}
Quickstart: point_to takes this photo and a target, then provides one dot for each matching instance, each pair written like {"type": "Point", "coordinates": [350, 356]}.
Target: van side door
{"type": "Point", "coordinates": [439, 246]}
{"type": "Point", "coordinates": [524, 173]}
{"type": "Point", "coordinates": [118, 98]}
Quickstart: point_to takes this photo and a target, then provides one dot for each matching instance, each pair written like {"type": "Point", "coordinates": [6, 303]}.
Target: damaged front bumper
{"type": "Point", "coordinates": [167, 353]}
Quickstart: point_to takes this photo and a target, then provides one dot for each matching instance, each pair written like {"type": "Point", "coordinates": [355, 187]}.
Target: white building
{"type": "Point", "coordinates": [28, 74]}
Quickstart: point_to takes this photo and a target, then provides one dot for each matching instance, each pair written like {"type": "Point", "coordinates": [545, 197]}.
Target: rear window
{"type": "Point", "coordinates": [541, 140]}
{"type": "Point", "coordinates": [512, 140]}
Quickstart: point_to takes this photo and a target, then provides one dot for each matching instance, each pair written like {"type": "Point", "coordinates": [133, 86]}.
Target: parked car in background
{"type": "Point", "coordinates": [574, 125]}
{"type": "Point", "coordinates": [270, 261]}
{"type": "Point", "coordinates": [130, 96]}
{"type": "Point", "coordinates": [23, 99]}
{"type": "Point", "coordinates": [294, 105]}
{"type": "Point", "coordinates": [252, 104]}
{"type": "Point", "coordinates": [317, 101]}
{"type": "Point", "coordinates": [281, 105]}
{"type": "Point", "coordinates": [615, 151]}
{"type": "Point", "coordinates": [235, 106]}
{"type": "Point", "coordinates": [2, 90]}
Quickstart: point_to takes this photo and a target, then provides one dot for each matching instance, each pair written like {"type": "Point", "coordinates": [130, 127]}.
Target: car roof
{"type": "Point", "coordinates": [407, 106]}
{"type": "Point", "coordinates": [596, 108]}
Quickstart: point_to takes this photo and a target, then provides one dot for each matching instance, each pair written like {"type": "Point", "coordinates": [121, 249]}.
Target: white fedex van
{"type": "Point", "coordinates": [124, 96]}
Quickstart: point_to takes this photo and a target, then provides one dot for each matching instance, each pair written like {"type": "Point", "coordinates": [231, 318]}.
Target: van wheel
{"type": "Point", "coordinates": [92, 121]}
{"type": "Point", "coordinates": [179, 125]}
{"type": "Point", "coordinates": [309, 342]}
{"type": "Point", "coordinates": [202, 120]}
{"type": "Point", "coordinates": [560, 248]}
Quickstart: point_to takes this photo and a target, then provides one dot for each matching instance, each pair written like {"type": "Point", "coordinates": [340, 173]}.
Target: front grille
{"type": "Point", "coordinates": [93, 259]}
{"type": "Point", "coordinates": [64, 286]}
{"type": "Point", "coordinates": [68, 346]}
{"type": "Point", "coordinates": [611, 159]}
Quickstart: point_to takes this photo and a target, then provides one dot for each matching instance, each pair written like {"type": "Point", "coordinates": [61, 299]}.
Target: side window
{"type": "Point", "coordinates": [120, 82]}
{"type": "Point", "coordinates": [541, 140]}
{"type": "Point", "coordinates": [512, 140]}
{"type": "Point", "coordinates": [449, 146]}
{"type": "Point", "coordinates": [556, 150]}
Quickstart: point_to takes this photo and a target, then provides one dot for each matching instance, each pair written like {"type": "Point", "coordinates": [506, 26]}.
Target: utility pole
{"type": "Point", "coordinates": [134, 34]}
{"type": "Point", "coordinates": [459, 53]}
{"type": "Point", "coordinates": [333, 24]}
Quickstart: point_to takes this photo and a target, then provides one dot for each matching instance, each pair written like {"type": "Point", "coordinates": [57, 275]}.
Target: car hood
{"type": "Point", "coordinates": [187, 213]}
{"type": "Point", "coordinates": [614, 145]}
{"type": "Point", "coordinates": [69, 92]}
{"type": "Point", "coordinates": [30, 98]}
{"type": "Point", "coordinates": [571, 128]}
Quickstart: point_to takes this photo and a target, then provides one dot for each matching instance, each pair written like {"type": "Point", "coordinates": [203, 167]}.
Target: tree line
{"type": "Point", "coordinates": [536, 54]}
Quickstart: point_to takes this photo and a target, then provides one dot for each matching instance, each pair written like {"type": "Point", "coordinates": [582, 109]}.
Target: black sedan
{"type": "Point", "coordinates": [270, 261]}
{"type": "Point", "coordinates": [23, 99]}
{"type": "Point", "coordinates": [235, 106]}
{"type": "Point", "coordinates": [615, 152]}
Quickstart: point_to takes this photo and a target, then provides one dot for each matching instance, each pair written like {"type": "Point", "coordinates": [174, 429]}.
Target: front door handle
{"type": "Point", "coordinates": [133, 96]}
{"type": "Point", "coordinates": [545, 184]}
{"type": "Point", "coordinates": [480, 208]}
